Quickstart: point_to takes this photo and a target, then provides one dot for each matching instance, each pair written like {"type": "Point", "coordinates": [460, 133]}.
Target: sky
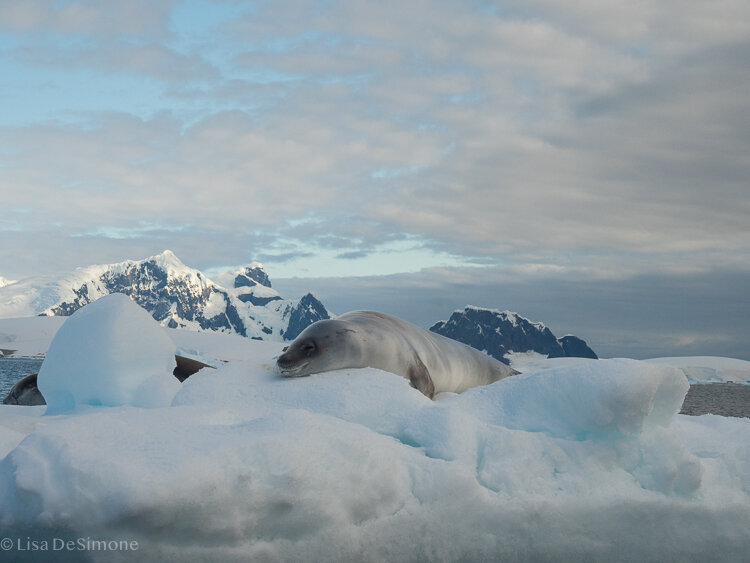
{"type": "Point", "coordinates": [583, 163]}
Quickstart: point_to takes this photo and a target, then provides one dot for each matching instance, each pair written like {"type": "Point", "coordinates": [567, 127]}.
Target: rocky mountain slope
{"type": "Point", "coordinates": [503, 333]}
{"type": "Point", "coordinates": [176, 295]}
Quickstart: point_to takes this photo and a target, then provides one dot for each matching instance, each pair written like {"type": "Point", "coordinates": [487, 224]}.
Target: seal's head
{"type": "Point", "coordinates": [323, 346]}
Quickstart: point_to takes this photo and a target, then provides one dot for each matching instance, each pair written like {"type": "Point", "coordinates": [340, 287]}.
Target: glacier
{"type": "Point", "coordinates": [579, 461]}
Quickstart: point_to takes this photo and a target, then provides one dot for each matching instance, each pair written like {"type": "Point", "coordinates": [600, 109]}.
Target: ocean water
{"type": "Point", "coordinates": [14, 369]}
{"type": "Point", "coordinates": [725, 399]}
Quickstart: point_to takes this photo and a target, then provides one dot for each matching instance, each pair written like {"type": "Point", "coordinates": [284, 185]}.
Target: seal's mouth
{"type": "Point", "coordinates": [292, 371]}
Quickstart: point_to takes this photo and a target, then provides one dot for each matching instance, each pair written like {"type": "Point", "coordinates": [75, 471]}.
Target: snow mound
{"type": "Point", "coordinates": [110, 352]}
{"type": "Point", "coordinates": [527, 362]}
{"type": "Point", "coordinates": [598, 399]}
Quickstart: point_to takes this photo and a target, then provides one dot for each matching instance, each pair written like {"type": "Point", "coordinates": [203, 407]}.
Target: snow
{"type": "Point", "coordinates": [216, 305]}
{"type": "Point", "coordinates": [31, 296]}
{"type": "Point", "coordinates": [28, 336]}
{"type": "Point", "coordinates": [697, 369]}
{"type": "Point", "coordinates": [574, 462]}
{"type": "Point", "coordinates": [533, 361]}
{"type": "Point", "coordinates": [520, 361]}
{"type": "Point", "coordinates": [226, 277]}
{"type": "Point", "coordinates": [709, 369]}
{"type": "Point", "coordinates": [110, 352]}
{"type": "Point", "coordinates": [256, 290]}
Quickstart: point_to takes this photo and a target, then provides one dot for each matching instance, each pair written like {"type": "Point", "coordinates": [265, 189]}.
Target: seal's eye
{"type": "Point", "coordinates": [308, 347]}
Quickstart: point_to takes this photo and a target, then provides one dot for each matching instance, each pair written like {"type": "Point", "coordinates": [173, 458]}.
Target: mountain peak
{"type": "Point", "coordinates": [252, 274]}
{"type": "Point", "coordinates": [501, 333]}
{"type": "Point", "coordinates": [176, 295]}
{"type": "Point", "coordinates": [167, 260]}
{"type": "Point", "coordinates": [510, 316]}
{"type": "Point", "coordinates": [309, 310]}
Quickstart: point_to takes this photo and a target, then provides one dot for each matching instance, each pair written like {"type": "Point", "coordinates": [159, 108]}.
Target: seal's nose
{"type": "Point", "coordinates": [281, 367]}
{"type": "Point", "coordinates": [282, 360]}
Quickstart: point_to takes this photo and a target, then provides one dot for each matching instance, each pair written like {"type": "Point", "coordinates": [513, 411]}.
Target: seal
{"type": "Point", "coordinates": [25, 392]}
{"type": "Point", "coordinates": [431, 362]}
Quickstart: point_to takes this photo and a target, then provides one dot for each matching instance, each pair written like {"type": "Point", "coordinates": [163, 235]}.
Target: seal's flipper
{"type": "Point", "coordinates": [420, 379]}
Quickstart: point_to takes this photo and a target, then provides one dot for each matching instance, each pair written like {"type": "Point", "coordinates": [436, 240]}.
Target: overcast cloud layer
{"type": "Point", "coordinates": [551, 143]}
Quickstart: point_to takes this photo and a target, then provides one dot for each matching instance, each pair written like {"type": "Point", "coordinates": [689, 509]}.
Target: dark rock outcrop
{"type": "Point", "coordinates": [308, 311]}
{"type": "Point", "coordinates": [499, 333]}
{"type": "Point", "coordinates": [251, 276]}
{"type": "Point", "coordinates": [575, 347]}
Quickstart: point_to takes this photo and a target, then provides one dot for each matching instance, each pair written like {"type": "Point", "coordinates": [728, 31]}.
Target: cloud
{"type": "Point", "coordinates": [553, 140]}
{"type": "Point", "coordinates": [90, 17]}
{"type": "Point", "coordinates": [354, 255]}
{"type": "Point", "coordinates": [152, 60]}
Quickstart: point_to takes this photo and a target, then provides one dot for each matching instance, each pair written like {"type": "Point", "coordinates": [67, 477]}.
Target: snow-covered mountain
{"type": "Point", "coordinates": [176, 295]}
{"type": "Point", "coordinates": [4, 282]}
{"type": "Point", "coordinates": [501, 334]}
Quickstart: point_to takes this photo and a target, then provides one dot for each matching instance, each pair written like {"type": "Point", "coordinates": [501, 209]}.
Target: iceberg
{"type": "Point", "coordinates": [110, 352]}
{"type": "Point", "coordinates": [577, 462]}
